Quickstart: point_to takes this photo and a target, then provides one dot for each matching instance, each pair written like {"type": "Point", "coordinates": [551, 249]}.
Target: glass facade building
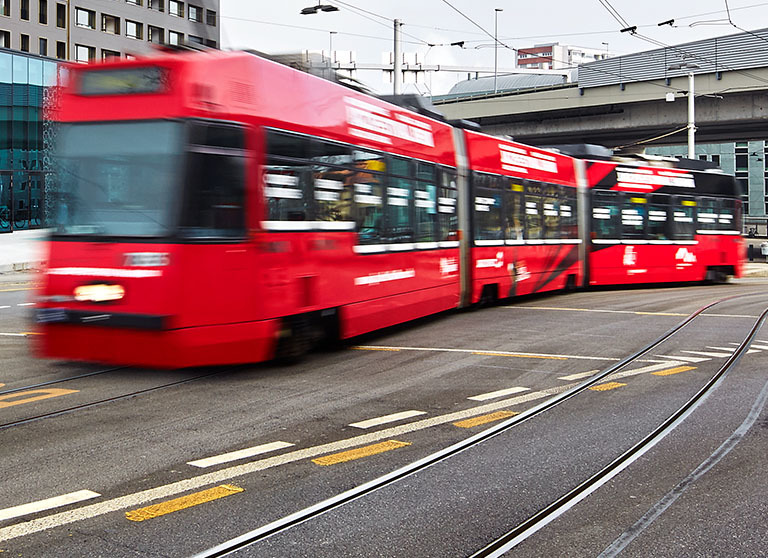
{"type": "Point", "coordinates": [25, 83]}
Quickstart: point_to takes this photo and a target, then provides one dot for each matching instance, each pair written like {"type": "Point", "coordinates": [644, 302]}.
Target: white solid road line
{"type": "Point", "coordinates": [387, 419]}
{"type": "Point", "coordinates": [47, 504]}
{"type": "Point", "coordinates": [497, 394]}
{"type": "Point", "coordinates": [239, 454]}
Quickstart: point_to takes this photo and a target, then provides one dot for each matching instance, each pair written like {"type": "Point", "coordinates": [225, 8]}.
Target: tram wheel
{"type": "Point", "coordinates": [294, 341]}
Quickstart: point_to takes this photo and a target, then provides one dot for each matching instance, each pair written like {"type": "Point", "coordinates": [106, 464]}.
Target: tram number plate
{"type": "Point", "coordinates": [51, 315]}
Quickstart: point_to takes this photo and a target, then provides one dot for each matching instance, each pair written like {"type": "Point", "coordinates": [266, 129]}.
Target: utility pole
{"type": "Point", "coordinates": [398, 59]}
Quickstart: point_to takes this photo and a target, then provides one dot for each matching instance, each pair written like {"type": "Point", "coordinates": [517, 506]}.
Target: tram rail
{"type": "Point", "coordinates": [529, 526]}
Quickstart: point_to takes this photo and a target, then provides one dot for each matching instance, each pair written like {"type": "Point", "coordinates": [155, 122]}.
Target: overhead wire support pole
{"type": "Point", "coordinates": [496, 49]}
{"type": "Point", "coordinates": [397, 73]}
{"type": "Point", "coordinates": [691, 118]}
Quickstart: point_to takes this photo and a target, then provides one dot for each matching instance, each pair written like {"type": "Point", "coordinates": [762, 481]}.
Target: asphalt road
{"type": "Point", "coordinates": [135, 461]}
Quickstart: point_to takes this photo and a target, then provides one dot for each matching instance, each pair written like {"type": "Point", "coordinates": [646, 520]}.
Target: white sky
{"type": "Point", "coordinates": [277, 27]}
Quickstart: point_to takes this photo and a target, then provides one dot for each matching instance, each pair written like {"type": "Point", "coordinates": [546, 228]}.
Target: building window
{"type": "Point", "coordinates": [108, 54]}
{"type": "Point", "coordinates": [24, 9]}
{"type": "Point", "coordinates": [61, 50]}
{"type": "Point", "coordinates": [110, 24]}
{"type": "Point", "coordinates": [42, 46]}
{"type": "Point", "coordinates": [716, 159]}
{"type": "Point", "coordinates": [176, 8]}
{"type": "Point", "coordinates": [84, 53]}
{"type": "Point", "coordinates": [134, 2]}
{"type": "Point", "coordinates": [155, 35]}
{"type": "Point", "coordinates": [42, 12]}
{"type": "Point", "coordinates": [195, 13]}
{"type": "Point", "coordinates": [24, 43]}
{"type": "Point", "coordinates": [5, 7]}
{"type": "Point", "coordinates": [210, 17]}
{"type": "Point", "coordinates": [211, 43]}
{"type": "Point", "coordinates": [5, 39]}
{"type": "Point", "coordinates": [155, 5]}
{"type": "Point", "coordinates": [85, 18]}
{"type": "Point", "coordinates": [61, 15]}
{"type": "Point", "coordinates": [133, 29]}
{"type": "Point", "coordinates": [195, 40]}
{"type": "Point", "coordinates": [175, 38]}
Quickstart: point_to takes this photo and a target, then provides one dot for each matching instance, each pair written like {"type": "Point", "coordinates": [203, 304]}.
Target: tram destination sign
{"type": "Point", "coordinates": [125, 81]}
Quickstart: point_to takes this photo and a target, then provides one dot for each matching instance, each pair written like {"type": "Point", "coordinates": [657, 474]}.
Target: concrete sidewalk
{"type": "Point", "coordinates": [23, 251]}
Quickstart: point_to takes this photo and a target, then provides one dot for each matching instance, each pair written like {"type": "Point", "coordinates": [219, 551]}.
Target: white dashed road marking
{"type": "Point", "coordinates": [47, 504]}
{"type": "Point", "coordinates": [239, 454]}
{"type": "Point", "coordinates": [387, 419]}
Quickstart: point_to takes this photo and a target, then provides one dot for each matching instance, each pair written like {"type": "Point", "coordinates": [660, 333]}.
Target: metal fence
{"type": "Point", "coordinates": [22, 200]}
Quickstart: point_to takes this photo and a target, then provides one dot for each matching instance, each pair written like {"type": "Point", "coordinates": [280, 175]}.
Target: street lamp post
{"type": "Point", "coordinates": [496, 47]}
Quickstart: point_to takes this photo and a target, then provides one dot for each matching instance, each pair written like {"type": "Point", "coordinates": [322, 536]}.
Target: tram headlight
{"type": "Point", "coordinates": [99, 293]}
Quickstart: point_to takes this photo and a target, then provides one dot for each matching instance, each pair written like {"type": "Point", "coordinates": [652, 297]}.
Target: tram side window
{"type": "Point", "coordinates": [399, 196]}
{"type": "Point", "coordinates": [569, 221]}
{"type": "Point", "coordinates": [215, 196]}
{"type": "Point", "coordinates": [683, 218]}
{"type": "Point", "coordinates": [287, 177]}
{"type": "Point", "coordinates": [605, 215]}
{"type": "Point", "coordinates": [551, 211]}
{"type": "Point", "coordinates": [728, 219]}
{"type": "Point", "coordinates": [533, 202]}
{"type": "Point", "coordinates": [658, 217]}
{"type": "Point", "coordinates": [425, 203]}
{"type": "Point", "coordinates": [367, 180]}
{"type": "Point", "coordinates": [448, 219]}
{"type": "Point", "coordinates": [333, 184]}
{"type": "Point", "coordinates": [707, 214]}
{"type": "Point", "coordinates": [515, 208]}
{"type": "Point", "coordinates": [633, 215]}
{"type": "Point", "coordinates": [488, 221]}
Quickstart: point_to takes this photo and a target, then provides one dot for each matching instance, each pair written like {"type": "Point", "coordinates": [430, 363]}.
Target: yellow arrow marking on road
{"type": "Point", "coordinates": [9, 400]}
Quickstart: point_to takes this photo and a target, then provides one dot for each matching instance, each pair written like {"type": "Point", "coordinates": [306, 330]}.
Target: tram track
{"type": "Point", "coordinates": [103, 401]}
{"type": "Point", "coordinates": [560, 505]}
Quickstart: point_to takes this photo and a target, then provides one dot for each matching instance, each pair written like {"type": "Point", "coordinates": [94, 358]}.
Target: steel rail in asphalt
{"type": "Point", "coordinates": [60, 380]}
{"type": "Point", "coordinates": [106, 400]}
{"type": "Point", "coordinates": [540, 519]}
{"type": "Point", "coordinates": [314, 511]}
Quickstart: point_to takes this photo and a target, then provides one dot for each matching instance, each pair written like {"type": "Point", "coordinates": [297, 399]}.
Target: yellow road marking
{"type": "Point", "coordinates": [359, 453]}
{"type": "Point", "coordinates": [16, 290]}
{"type": "Point", "coordinates": [184, 502]}
{"type": "Point", "coordinates": [607, 386]}
{"type": "Point", "coordinates": [360, 348]}
{"type": "Point", "coordinates": [484, 419]}
{"type": "Point", "coordinates": [1, 385]}
{"type": "Point", "coordinates": [671, 371]}
{"type": "Point", "coordinates": [487, 353]}
{"type": "Point", "coordinates": [31, 333]}
{"type": "Point", "coordinates": [44, 394]}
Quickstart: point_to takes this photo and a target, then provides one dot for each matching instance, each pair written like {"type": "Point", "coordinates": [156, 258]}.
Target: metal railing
{"type": "Point", "coordinates": [22, 200]}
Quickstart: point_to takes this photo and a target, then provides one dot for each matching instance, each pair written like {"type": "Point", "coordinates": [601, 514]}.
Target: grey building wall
{"type": "Point", "coordinates": [65, 34]}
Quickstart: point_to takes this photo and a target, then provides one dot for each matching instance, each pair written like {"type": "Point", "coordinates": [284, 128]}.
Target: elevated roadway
{"type": "Point", "coordinates": [729, 105]}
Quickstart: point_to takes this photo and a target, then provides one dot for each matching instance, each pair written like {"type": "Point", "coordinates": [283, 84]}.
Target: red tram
{"type": "Point", "coordinates": [222, 208]}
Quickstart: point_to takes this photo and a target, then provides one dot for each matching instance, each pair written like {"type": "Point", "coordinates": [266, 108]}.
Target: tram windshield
{"type": "Point", "coordinates": [118, 178]}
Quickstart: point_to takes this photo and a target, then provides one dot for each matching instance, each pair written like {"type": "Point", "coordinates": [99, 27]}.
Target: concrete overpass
{"type": "Point", "coordinates": [621, 101]}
